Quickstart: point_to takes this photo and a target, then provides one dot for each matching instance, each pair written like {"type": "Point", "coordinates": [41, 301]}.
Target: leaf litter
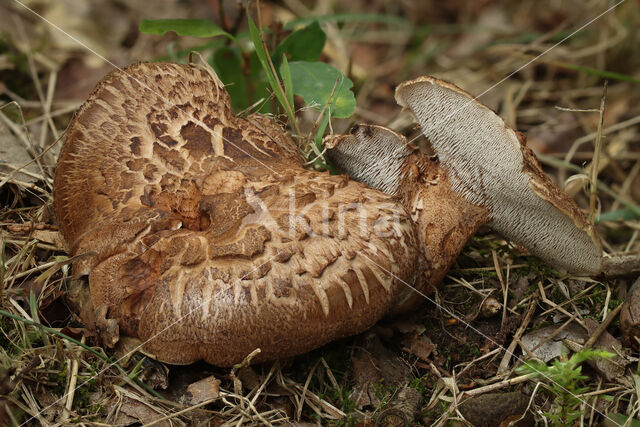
{"type": "Point", "coordinates": [425, 370]}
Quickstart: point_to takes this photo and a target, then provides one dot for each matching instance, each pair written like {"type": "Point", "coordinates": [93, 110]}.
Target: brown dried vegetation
{"type": "Point", "coordinates": [56, 369]}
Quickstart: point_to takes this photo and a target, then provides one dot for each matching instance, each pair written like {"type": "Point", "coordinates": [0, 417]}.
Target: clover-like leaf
{"type": "Point", "coordinates": [315, 82]}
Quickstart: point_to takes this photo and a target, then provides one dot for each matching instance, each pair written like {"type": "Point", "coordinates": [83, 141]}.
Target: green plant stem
{"type": "Point", "coordinates": [272, 70]}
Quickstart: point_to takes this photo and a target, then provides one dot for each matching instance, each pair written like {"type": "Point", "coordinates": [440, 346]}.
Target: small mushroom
{"type": "Point", "coordinates": [490, 165]}
{"type": "Point", "coordinates": [481, 160]}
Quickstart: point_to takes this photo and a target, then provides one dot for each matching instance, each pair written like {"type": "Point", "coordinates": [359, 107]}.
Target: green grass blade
{"type": "Point", "coordinates": [627, 214]}
{"type": "Point", "coordinates": [377, 18]}
{"type": "Point", "coordinates": [611, 75]}
{"type": "Point", "coordinates": [286, 79]}
{"type": "Point", "coordinates": [264, 61]}
{"type": "Point", "coordinates": [183, 27]}
{"type": "Point", "coordinates": [83, 345]}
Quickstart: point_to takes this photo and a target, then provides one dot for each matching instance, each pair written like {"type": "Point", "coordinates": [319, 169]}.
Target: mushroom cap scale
{"type": "Point", "coordinates": [204, 235]}
{"type": "Point", "coordinates": [490, 165]}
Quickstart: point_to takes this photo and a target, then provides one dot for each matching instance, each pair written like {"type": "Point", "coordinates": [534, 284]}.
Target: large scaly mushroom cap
{"type": "Point", "coordinates": [203, 234]}
{"type": "Point", "coordinates": [485, 162]}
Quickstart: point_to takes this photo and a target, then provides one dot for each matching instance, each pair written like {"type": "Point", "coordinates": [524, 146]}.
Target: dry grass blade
{"type": "Point", "coordinates": [596, 156]}
{"type": "Point", "coordinates": [58, 372]}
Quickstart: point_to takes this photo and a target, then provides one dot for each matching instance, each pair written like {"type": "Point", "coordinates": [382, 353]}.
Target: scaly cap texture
{"type": "Point", "coordinates": [204, 235]}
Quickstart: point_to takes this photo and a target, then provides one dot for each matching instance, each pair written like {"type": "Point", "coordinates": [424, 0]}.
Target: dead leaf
{"type": "Point", "coordinates": [630, 316]}
{"type": "Point", "coordinates": [51, 409]}
{"type": "Point", "coordinates": [248, 377]}
{"type": "Point", "coordinates": [404, 408]}
{"type": "Point", "coordinates": [366, 374]}
{"type": "Point", "coordinates": [13, 154]}
{"type": "Point", "coordinates": [132, 411]}
{"type": "Point", "coordinates": [203, 390]}
{"type": "Point", "coordinates": [420, 346]}
{"type": "Point", "coordinates": [609, 368]}
{"type": "Point", "coordinates": [574, 336]}
{"type": "Point", "coordinates": [492, 409]}
{"type": "Point", "coordinates": [373, 366]}
{"type": "Point", "coordinates": [408, 327]}
{"type": "Point", "coordinates": [107, 329]}
{"type": "Point", "coordinates": [53, 238]}
{"type": "Point", "coordinates": [552, 348]}
{"type": "Point", "coordinates": [519, 290]}
{"type": "Point", "coordinates": [155, 374]}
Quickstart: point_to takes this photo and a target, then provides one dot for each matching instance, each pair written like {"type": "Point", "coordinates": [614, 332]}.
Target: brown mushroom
{"type": "Point", "coordinates": [480, 160]}
{"type": "Point", "coordinates": [204, 235]}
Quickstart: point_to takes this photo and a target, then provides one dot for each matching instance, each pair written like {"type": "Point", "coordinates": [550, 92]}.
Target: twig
{"type": "Point", "coordinates": [504, 383]}
{"type": "Point", "coordinates": [305, 389]}
{"type": "Point", "coordinates": [182, 412]}
{"type": "Point", "coordinates": [593, 190]}
{"type": "Point", "coordinates": [556, 306]}
{"type": "Point", "coordinates": [71, 388]}
{"type": "Point", "coordinates": [620, 266]}
{"type": "Point", "coordinates": [601, 328]}
{"type": "Point", "coordinates": [504, 364]}
{"type": "Point", "coordinates": [498, 269]}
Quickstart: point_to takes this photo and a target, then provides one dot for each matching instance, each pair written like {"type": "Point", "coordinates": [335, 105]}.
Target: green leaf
{"type": "Point", "coordinates": [183, 27]}
{"type": "Point", "coordinates": [228, 64]}
{"type": "Point", "coordinates": [305, 44]}
{"type": "Point", "coordinates": [620, 420]}
{"type": "Point", "coordinates": [315, 81]}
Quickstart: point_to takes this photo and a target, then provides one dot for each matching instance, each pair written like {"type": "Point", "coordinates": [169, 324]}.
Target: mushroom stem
{"type": "Point", "coordinates": [443, 219]}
